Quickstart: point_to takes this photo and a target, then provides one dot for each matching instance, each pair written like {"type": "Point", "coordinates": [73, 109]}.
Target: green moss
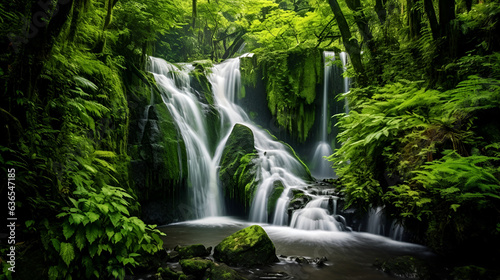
{"type": "Point", "coordinates": [224, 272]}
{"type": "Point", "coordinates": [237, 169]}
{"type": "Point", "coordinates": [199, 80]}
{"type": "Point", "coordinates": [247, 247]}
{"type": "Point", "coordinates": [291, 78]}
{"type": "Point", "coordinates": [249, 71]}
{"type": "Point", "coordinates": [197, 250]}
{"type": "Point", "coordinates": [195, 266]}
{"type": "Point", "coordinates": [275, 194]}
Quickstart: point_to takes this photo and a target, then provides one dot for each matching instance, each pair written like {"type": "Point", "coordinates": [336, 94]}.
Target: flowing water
{"type": "Point", "coordinates": [275, 161]}
{"type": "Point", "coordinates": [189, 115]}
{"type": "Point", "coordinates": [332, 85]}
{"type": "Point", "coordinates": [315, 231]}
{"type": "Point", "coordinates": [349, 255]}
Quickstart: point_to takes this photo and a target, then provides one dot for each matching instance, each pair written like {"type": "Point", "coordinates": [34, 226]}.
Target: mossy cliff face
{"type": "Point", "coordinates": [238, 170]}
{"type": "Point", "coordinates": [291, 79]}
{"type": "Point", "coordinates": [248, 247]}
{"type": "Point", "coordinates": [158, 158]}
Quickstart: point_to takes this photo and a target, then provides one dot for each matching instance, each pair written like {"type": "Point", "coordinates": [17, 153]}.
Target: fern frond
{"type": "Point", "coordinates": [85, 83]}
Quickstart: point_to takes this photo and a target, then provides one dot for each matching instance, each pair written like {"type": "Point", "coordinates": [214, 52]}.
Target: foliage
{"type": "Point", "coordinates": [291, 78]}
{"type": "Point", "coordinates": [99, 233]}
{"type": "Point", "coordinates": [420, 153]}
{"type": "Point", "coordinates": [64, 97]}
{"type": "Point", "coordinates": [455, 195]}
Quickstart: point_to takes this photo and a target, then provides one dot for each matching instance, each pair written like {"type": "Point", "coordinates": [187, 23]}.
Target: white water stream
{"type": "Point", "coordinates": [274, 161]}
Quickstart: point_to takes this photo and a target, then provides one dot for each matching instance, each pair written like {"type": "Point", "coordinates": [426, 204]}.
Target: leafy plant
{"type": "Point", "coordinates": [99, 236]}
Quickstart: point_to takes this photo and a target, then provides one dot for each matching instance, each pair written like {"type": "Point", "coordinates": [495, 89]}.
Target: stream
{"type": "Point", "coordinates": [303, 235]}
{"type": "Point", "coordinates": [350, 255]}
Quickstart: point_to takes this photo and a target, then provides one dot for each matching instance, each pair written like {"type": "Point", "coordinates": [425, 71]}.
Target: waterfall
{"type": "Point", "coordinates": [347, 80]}
{"type": "Point", "coordinates": [315, 216]}
{"type": "Point", "coordinates": [375, 221]}
{"type": "Point", "coordinates": [189, 115]}
{"type": "Point", "coordinates": [320, 167]}
{"type": "Point", "coordinates": [274, 161]}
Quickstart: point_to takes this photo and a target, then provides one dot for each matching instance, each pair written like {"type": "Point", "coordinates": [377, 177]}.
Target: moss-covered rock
{"type": "Point", "coordinates": [248, 247]}
{"type": "Point", "coordinates": [200, 83]}
{"type": "Point", "coordinates": [191, 251]}
{"type": "Point", "coordinates": [166, 273]}
{"type": "Point", "coordinates": [158, 162]}
{"type": "Point", "coordinates": [274, 196]}
{"type": "Point", "coordinates": [292, 78]}
{"type": "Point", "coordinates": [405, 267]}
{"type": "Point", "coordinates": [224, 272]}
{"type": "Point", "coordinates": [238, 170]}
{"type": "Point", "coordinates": [195, 266]}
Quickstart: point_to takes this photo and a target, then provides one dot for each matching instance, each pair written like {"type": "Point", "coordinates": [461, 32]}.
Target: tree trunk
{"type": "Point", "coordinates": [431, 15]}
{"type": "Point", "coordinates": [448, 32]}
{"type": "Point", "coordinates": [362, 23]}
{"type": "Point", "coordinates": [413, 19]}
{"type": "Point", "coordinates": [195, 13]}
{"type": "Point", "coordinates": [350, 43]}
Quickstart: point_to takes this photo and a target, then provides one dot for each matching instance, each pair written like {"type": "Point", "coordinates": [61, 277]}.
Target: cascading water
{"type": "Point", "coordinates": [315, 216]}
{"type": "Point", "coordinates": [320, 167]}
{"type": "Point", "coordinates": [189, 115]}
{"type": "Point", "coordinates": [274, 161]}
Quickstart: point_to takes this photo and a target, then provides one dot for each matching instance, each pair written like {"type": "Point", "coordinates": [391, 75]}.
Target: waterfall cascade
{"type": "Point", "coordinates": [275, 162]}
{"type": "Point", "coordinates": [188, 113]}
{"type": "Point", "coordinates": [320, 167]}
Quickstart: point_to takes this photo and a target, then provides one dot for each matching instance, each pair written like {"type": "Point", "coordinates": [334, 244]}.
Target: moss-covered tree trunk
{"type": "Point", "coordinates": [350, 43]}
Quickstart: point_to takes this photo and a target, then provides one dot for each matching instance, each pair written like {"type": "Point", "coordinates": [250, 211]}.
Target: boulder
{"type": "Point", "coordinates": [195, 266]}
{"type": "Point", "coordinates": [238, 170]}
{"type": "Point", "coordinates": [192, 251]}
{"type": "Point", "coordinates": [248, 247]}
{"type": "Point", "coordinates": [224, 272]}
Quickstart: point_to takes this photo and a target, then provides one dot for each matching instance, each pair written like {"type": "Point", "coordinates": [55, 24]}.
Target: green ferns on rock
{"type": "Point", "coordinates": [422, 154]}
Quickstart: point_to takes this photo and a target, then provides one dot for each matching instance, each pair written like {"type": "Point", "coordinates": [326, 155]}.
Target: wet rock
{"type": "Point", "coordinates": [223, 272]}
{"type": "Point", "coordinates": [191, 251]}
{"type": "Point", "coordinates": [320, 261]}
{"type": "Point", "coordinates": [195, 266]}
{"type": "Point", "coordinates": [301, 260]}
{"type": "Point", "coordinates": [166, 273]}
{"type": "Point", "coordinates": [174, 256]}
{"type": "Point", "coordinates": [238, 170]}
{"type": "Point", "coordinates": [404, 267]}
{"type": "Point", "coordinates": [248, 247]}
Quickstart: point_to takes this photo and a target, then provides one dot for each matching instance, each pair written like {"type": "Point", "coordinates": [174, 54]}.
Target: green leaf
{"type": "Point", "coordinates": [454, 207]}
{"type": "Point", "coordinates": [56, 243]}
{"type": "Point", "coordinates": [92, 216]}
{"type": "Point", "coordinates": [115, 219]}
{"type": "Point", "coordinates": [92, 233]}
{"type": "Point", "coordinates": [68, 230]}
{"type": "Point", "coordinates": [80, 239]}
{"type": "Point", "coordinates": [53, 272]}
{"type": "Point", "coordinates": [117, 237]}
{"type": "Point", "coordinates": [76, 218]}
{"type": "Point", "coordinates": [67, 252]}
{"type": "Point", "coordinates": [103, 208]}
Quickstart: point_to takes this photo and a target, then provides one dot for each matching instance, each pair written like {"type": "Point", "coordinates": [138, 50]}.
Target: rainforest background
{"type": "Point", "coordinates": [422, 136]}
